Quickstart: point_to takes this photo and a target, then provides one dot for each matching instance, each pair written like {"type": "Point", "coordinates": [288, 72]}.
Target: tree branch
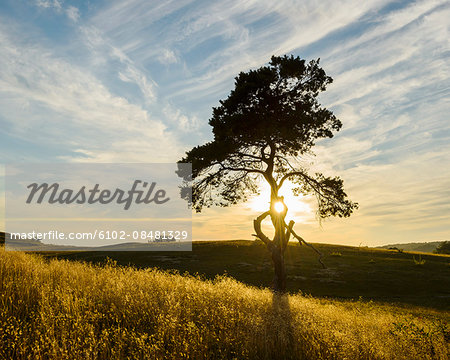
{"type": "Point", "coordinates": [315, 185]}
{"type": "Point", "coordinates": [285, 177]}
{"type": "Point", "coordinates": [301, 240]}
{"type": "Point", "coordinates": [288, 233]}
{"type": "Point", "coordinates": [259, 234]}
{"type": "Point", "coordinates": [250, 156]}
{"type": "Point", "coordinates": [242, 169]}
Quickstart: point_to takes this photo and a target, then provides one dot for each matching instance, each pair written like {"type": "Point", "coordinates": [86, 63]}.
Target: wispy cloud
{"type": "Point", "coordinates": [219, 39]}
{"type": "Point", "coordinates": [55, 4]}
{"type": "Point", "coordinates": [73, 13]}
{"type": "Point", "coordinates": [167, 57]}
{"type": "Point", "coordinates": [45, 98]}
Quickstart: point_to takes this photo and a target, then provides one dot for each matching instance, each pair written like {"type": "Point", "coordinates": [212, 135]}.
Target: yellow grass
{"type": "Point", "coordinates": [67, 310]}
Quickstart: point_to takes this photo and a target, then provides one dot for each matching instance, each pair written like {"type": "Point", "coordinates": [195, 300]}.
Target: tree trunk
{"type": "Point", "coordinates": [278, 245]}
{"type": "Point", "coordinates": [279, 280]}
{"type": "Point", "coordinates": [277, 250]}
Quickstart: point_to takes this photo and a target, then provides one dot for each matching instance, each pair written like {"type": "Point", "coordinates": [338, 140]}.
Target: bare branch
{"type": "Point", "coordinates": [259, 158]}
{"type": "Point", "coordinates": [288, 233]}
{"type": "Point", "coordinates": [301, 240]}
{"type": "Point", "coordinates": [242, 169]}
{"type": "Point", "coordinates": [285, 177]}
{"type": "Point", "coordinates": [315, 185]}
{"type": "Point", "coordinates": [259, 234]}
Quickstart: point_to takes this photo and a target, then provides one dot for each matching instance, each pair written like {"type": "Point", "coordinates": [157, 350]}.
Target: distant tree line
{"type": "Point", "coordinates": [443, 248]}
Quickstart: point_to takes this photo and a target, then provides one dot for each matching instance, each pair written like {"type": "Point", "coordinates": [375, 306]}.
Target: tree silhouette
{"type": "Point", "coordinates": [271, 119]}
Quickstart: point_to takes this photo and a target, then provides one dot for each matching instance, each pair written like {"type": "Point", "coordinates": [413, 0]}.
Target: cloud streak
{"type": "Point", "coordinates": [54, 100]}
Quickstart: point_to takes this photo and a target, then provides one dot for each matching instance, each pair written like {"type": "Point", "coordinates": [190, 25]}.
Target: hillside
{"type": "Point", "coordinates": [71, 310]}
{"type": "Point", "coordinates": [427, 247]}
{"type": "Point", "coordinates": [351, 273]}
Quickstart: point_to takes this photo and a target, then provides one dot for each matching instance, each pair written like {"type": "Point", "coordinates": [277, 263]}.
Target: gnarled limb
{"type": "Point", "coordinates": [259, 234]}
{"type": "Point", "coordinates": [288, 233]}
{"type": "Point", "coordinates": [278, 245]}
{"type": "Point", "coordinates": [276, 249]}
{"type": "Point", "coordinates": [301, 240]}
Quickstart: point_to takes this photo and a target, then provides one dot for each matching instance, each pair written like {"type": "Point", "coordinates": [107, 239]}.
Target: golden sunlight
{"type": "Point", "coordinates": [279, 207]}
{"type": "Point", "coordinates": [298, 208]}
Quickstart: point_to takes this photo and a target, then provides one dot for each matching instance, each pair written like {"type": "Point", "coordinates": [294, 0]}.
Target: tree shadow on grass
{"type": "Point", "coordinates": [279, 328]}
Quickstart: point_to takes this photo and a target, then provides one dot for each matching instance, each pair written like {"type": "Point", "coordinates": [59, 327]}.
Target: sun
{"type": "Point", "coordinates": [279, 207]}
{"type": "Point", "coordinates": [297, 205]}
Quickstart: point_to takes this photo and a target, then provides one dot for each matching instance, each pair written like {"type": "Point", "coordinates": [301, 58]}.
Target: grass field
{"type": "Point", "coordinates": [58, 309]}
{"type": "Point", "coordinates": [352, 272]}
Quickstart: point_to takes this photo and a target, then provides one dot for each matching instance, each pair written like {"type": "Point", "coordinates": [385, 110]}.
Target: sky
{"type": "Point", "coordinates": [135, 81]}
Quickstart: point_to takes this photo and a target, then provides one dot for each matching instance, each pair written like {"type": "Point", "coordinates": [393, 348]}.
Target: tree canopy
{"type": "Point", "coordinates": [271, 118]}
